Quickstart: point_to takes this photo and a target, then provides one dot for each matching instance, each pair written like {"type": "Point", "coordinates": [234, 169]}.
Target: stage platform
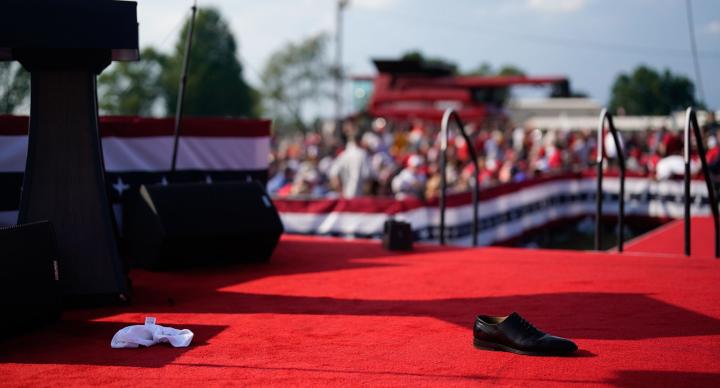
{"type": "Point", "coordinates": [669, 239]}
{"type": "Point", "coordinates": [335, 312]}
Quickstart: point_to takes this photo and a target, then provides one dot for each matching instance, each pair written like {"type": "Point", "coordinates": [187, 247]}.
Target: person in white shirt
{"type": "Point", "coordinates": [673, 166]}
{"type": "Point", "coordinates": [350, 172]}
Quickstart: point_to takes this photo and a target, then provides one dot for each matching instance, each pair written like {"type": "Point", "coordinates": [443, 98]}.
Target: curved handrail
{"type": "Point", "coordinates": [605, 115]}
{"type": "Point", "coordinates": [444, 133]}
{"type": "Point", "coordinates": [691, 121]}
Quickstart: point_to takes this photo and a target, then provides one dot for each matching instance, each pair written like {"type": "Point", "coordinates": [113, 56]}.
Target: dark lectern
{"type": "Point", "coordinates": [65, 45]}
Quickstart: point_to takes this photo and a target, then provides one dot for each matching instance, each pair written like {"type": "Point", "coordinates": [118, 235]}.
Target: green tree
{"type": "Point", "coordinates": [647, 92]}
{"type": "Point", "coordinates": [215, 84]}
{"type": "Point", "coordinates": [14, 87]}
{"type": "Point", "coordinates": [483, 69]}
{"type": "Point", "coordinates": [510, 70]}
{"type": "Point", "coordinates": [131, 88]}
{"type": "Point", "coordinates": [295, 76]}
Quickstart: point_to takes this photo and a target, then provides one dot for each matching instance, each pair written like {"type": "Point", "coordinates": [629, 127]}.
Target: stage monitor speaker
{"type": "Point", "coordinates": [197, 224]}
{"type": "Point", "coordinates": [397, 236]}
{"type": "Point", "coordinates": [30, 293]}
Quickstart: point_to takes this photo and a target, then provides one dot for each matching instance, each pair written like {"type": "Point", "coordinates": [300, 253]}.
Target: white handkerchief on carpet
{"type": "Point", "coordinates": [150, 334]}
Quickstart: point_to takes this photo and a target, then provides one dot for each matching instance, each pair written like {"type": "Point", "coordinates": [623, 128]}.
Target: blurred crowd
{"type": "Point", "coordinates": [402, 159]}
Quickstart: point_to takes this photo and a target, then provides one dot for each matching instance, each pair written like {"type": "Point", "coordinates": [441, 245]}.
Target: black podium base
{"type": "Point", "coordinates": [64, 182]}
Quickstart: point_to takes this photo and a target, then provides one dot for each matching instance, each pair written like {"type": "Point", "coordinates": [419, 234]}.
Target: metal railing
{"type": "Point", "coordinates": [691, 122]}
{"type": "Point", "coordinates": [450, 114]}
{"type": "Point", "coordinates": [606, 116]}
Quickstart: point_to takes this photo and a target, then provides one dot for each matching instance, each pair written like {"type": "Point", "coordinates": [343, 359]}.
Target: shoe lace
{"type": "Point", "coordinates": [529, 326]}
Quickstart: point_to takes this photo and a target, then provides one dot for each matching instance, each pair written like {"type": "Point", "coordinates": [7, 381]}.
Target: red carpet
{"type": "Point", "coordinates": [669, 239]}
{"type": "Point", "coordinates": [333, 312]}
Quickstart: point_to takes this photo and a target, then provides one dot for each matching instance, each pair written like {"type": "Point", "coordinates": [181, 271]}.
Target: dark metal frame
{"type": "Point", "coordinates": [181, 89]}
{"type": "Point", "coordinates": [451, 114]}
{"type": "Point", "coordinates": [606, 116]}
{"type": "Point", "coordinates": [691, 121]}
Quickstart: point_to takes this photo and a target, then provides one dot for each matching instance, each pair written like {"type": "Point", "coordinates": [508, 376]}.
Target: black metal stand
{"type": "Point", "coordinates": [181, 90]}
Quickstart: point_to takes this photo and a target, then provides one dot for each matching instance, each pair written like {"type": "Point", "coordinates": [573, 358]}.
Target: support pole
{"type": "Point", "coordinates": [181, 89]}
{"type": "Point", "coordinates": [341, 4]}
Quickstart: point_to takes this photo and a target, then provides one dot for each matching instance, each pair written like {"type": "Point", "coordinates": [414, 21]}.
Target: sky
{"type": "Point", "coordinates": [590, 41]}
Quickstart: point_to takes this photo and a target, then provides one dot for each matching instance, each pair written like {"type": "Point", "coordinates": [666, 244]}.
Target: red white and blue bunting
{"type": "Point", "coordinates": [505, 212]}
{"type": "Point", "coordinates": [139, 151]}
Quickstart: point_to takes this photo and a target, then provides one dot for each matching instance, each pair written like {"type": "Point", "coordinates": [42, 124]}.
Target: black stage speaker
{"type": "Point", "coordinates": [30, 294]}
{"type": "Point", "coordinates": [397, 236]}
{"type": "Point", "coordinates": [196, 224]}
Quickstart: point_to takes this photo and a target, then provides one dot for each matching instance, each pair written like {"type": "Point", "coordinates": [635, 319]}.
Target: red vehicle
{"type": "Point", "coordinates": [410, 89]}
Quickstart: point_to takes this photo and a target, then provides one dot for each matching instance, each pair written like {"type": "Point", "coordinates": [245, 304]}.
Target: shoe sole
{"type": "Point", "coordinates": [483, 345]}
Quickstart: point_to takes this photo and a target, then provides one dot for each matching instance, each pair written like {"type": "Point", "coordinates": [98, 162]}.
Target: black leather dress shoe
{"type": "Point", "coordinates": [515, 334]}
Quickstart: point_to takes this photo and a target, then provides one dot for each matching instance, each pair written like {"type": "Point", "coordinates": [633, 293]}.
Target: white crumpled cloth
{"type": "Point", "coordinates": [150, 334]}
